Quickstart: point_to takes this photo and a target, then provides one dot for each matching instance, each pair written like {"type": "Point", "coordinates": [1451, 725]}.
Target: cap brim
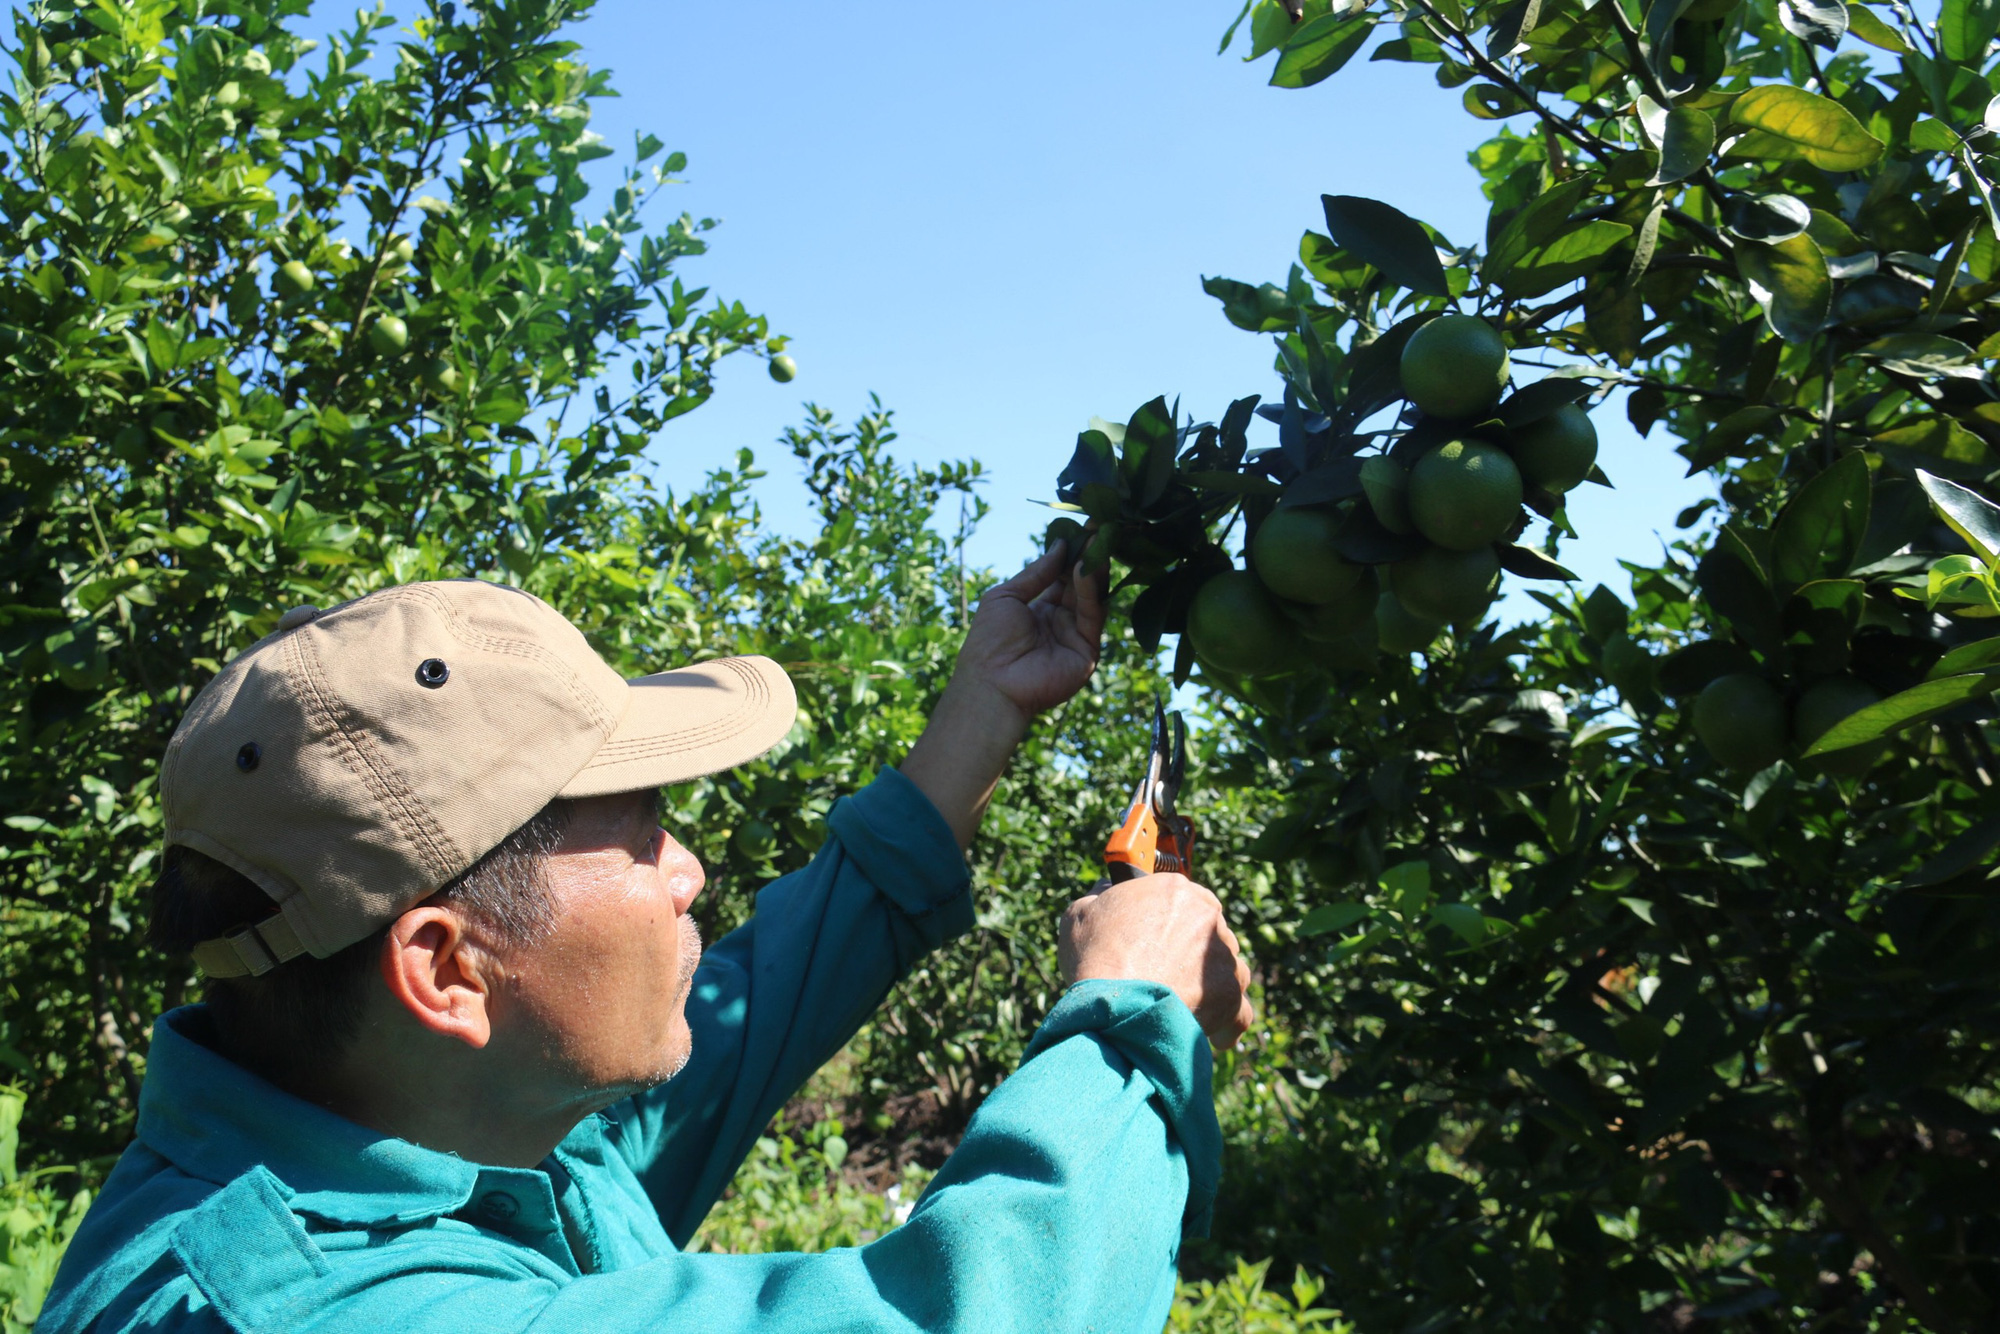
{"type": "Point", "coordinates": [690, 722]}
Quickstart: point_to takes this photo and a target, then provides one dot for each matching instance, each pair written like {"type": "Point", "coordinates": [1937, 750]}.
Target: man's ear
{"type": "Point", "coordinates": [439, 976]}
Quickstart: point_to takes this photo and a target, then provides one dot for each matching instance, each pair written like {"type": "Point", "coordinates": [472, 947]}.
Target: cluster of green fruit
{"type": "Point", "coordinates": [1742, 721]}
{"type": "Point", "coordinates": [389, 335]}
{"type": "Point", "coordinates": [1302, 603]}
{"type": "Point", "coordinates": [386, 335]}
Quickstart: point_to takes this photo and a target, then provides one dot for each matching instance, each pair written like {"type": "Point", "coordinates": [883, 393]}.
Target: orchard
{"type": "Point", "coordinates": [1629, 969]}
{"type": "Point", "coordinates": [1642, 968]}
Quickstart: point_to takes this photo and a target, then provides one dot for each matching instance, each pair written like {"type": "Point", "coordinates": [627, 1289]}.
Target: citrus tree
{"type": "Point", "coordinates": [1641, 973]}
{"type": "Point", "coordinates": [276, 330]}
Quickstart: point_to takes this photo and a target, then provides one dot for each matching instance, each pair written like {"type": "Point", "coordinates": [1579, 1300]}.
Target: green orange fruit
{"type": "Point", "coordinates": [388, 335]}
{"type": "Point", "coordinates": [1827, 703]}
{"type": "Point", "coordinates": [783, 368]}
{"type": "Point", "coordinates": [1557, 452]}
{"type": "Point", "coordinates": [1237, 625]}
{"type": "Point", "coordinates": [442, 377]}
{"type": "Point", "coordinates": [1740, 720]}
{"type": "Point", "coordinates": [1400, 630]}
{"type": "Point", "coordinates": [1448, 586]}
{"type": "Point", "coordinates": [1465, 494]}
{"type": "Point", "coordinates": [294, 278]}
{"type": "Point", "coordinates": [1345, 615]}
{"type": "Point", "coordinates": [1455, 367]}
{"type": "Point", "coordinates": [1387, 486]}
{"type": "Point", "coordinates": [1296, 554]}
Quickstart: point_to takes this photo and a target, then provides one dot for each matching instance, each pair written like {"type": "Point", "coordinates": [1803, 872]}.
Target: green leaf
{"type": "Point", "coordinates": [1529, 563]}
{"type": "Point", "coordinates": [1959, 581]}
{"type": "Point", "coordinates": [1146, 456]}
{"type": "Point", "coordinates": [1924, 354]}
{"type": "Point", "coordinates": [1863, 23]}
{"type": "Point", "coordinates": [1768, 218]}
{"type": "Point", "coordinates": [1727, 437]}
{"type": "Point", "coordinates": [1938, 437]}
{"type": "Point", "coordinates": [1335, 269]}
{"type": "Point", "coordinates": [1791, 283]}
{"type": "Point", "coordinates": [1408, 885]}
{"type": "Point", "coordinates": [1270, 27]}
{"type": "Point", "coordinates": [1791, 122]}
{"type": "Point", "coordinates": [1538, 222]}
{"type": "Point", "coordinates": [1931, 135]}
{"type": "Point", "coordinates": [1820, 529]}
{"type": "Point", "coordinates": [1319, 48]}
{"type": "Point", "coordinates": [1821, 22]}
{"type": "Point", "coordinates": [1565, 259]}
{"type": "Point", "coordinates": [1229, 34]}
{"type": "Point", "coordinates": [1488, 101]}
{"type": "Point", "coordinates": [1685, 138]}
{"type": "Point", "coordinates": [1966, 658]}
{"type": "Point", "coordinates": [1462, 920]}
{"type": "Point", "coordinates": [1966, 28]}
{"type": "Point", "coordinates": [1961, 854]}
{"type": "Point", "coordinates": [1970, 515]}
{"type": "Point", "coordinates": [1332, 917]}
{"type": "Point", "coordinates": [1391, 240]}
{"type": "Point", "coordinates": [1734, 583]}
{"type": "Point", "coordinates": [1900, 710]}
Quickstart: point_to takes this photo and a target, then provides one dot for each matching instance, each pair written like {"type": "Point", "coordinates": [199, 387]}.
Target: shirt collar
{"type": "Point", "coordinates": [215, 1120]}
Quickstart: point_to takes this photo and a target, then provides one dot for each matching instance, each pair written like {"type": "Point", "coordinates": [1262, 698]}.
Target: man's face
{"type": "Point", "coordinates": [602, 1001]}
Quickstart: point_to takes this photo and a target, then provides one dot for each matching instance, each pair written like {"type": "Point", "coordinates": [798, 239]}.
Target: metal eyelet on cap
{"type": "Point", "coordinates": [432, 673]}
{"type": "Point", "coordinates": [248, 755]}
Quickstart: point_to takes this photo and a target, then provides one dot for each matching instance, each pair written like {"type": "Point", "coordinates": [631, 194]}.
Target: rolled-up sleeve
{"type": "Point", "coordinates": [776, 998]}
{"type": "Point", "coordinates": [1061, 1210]}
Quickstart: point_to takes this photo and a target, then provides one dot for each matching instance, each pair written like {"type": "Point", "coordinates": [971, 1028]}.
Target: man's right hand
{"type": "Point", "coordinates": [1164, 929]}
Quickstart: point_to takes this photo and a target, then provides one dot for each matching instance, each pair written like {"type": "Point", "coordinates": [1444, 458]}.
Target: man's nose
{"type": "Point", "coordinates": [682, 871]}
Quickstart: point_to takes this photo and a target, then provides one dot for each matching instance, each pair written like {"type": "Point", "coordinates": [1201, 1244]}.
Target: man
{"type": "Point", "coordinates": [468, 1074]}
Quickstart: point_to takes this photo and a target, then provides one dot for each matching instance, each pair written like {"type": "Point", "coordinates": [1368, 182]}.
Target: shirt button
{"type": "Point", "coordinates": [497, 1206]}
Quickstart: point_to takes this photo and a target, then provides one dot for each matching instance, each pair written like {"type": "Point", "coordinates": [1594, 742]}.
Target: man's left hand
{"type": "Point", "coordinates": [1034, 640]}
{"type": "Point", "coordinates": [1032, 644]}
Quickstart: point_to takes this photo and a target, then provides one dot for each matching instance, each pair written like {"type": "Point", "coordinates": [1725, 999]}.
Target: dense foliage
{"type": "Point", "coordinates": [1593, 1031]}
{"type": "Point", "coordinates": [193, 438]}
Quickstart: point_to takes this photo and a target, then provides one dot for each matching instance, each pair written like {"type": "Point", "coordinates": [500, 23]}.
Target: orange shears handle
{"type": "Point", "coordinates": [1148, 842]}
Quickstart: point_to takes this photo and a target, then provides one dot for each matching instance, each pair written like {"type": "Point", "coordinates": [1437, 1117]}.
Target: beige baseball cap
{"type": "Point", "coordinates": [358, 758]}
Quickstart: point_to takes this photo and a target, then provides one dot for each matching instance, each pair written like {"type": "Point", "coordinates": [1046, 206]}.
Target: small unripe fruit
{"type": "Point", "coordinates": [1448, 586]}
{"type": "Point", "coordinates": [388, 335]}
{"type": "Point", "coordinates": [1455, 367]}
{"type": "Point", "coordinates": [442, 376]}
{"type": "Point", "coordinates": [1296, 555]}
{"type": "Point", "coordinates": [1741, 722]}
{"type": "Point", "coordinates": [783, 368]}
{"type": "Point", "coordinates": [404, 250]}
{"type": "Point", "coordinates": [1387, 485]}
{"type": "Point", "coordinates": [1465, 495]}
{"type": "Point", "coordinates": [294, 278]}
{"type": "Point", "coordinates": [1557, 452]}
{"type": "Point", "coordinates": [1401, 631]}
{"type": "Point", "coordinates": [1236, 625]}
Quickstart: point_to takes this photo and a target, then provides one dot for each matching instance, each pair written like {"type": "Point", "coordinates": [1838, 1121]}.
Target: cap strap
{"type": "Point", "coordinates": [251, 952]}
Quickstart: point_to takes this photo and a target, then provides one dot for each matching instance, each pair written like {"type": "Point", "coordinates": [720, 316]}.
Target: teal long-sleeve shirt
{"type": "Point", "coordinates": [239, 1207]}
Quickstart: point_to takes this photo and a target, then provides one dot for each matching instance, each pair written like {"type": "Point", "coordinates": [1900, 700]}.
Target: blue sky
{"type": "Point", "coordinates": [997, 217]}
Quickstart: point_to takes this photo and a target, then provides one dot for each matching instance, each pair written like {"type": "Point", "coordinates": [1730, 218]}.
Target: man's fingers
{"type": "Point", "coordinates": [1034, 578]}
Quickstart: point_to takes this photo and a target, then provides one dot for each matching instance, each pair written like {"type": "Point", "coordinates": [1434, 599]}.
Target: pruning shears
{"type": "Point", "coordinates": [1154, 837]}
